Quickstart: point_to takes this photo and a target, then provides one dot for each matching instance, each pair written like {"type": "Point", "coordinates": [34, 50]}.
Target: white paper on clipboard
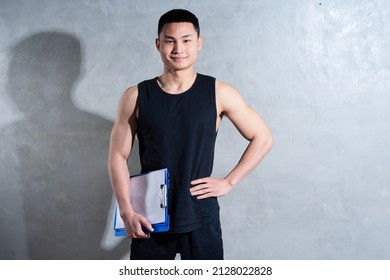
{"type": "Point", "coordinates": [148, 197]}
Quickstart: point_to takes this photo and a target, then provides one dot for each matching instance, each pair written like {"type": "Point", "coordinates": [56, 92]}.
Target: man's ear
{"type": "Point", "coordinates": [157, 44]}
{"type": "Point", "coordinates": [200, 43]}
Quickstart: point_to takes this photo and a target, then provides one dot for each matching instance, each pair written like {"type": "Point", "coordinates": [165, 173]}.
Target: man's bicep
{"type": "Point", "coordinates": [247, 121]}
{"type": "Point", "coordinates": [121, 139]}
{"type": "Point", "coordinates": [125, 126]}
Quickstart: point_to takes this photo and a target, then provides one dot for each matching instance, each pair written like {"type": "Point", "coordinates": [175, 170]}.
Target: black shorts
{"type": "Point", "coordinates": [204, 243]}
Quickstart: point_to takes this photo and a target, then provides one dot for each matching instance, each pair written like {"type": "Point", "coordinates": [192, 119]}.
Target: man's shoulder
{"type": "Point", "coordinates": [223, 87]}
{"type": "Point", "coordinates": [227, 96]}
{"type": "Point", "coordinates": [131, 91]}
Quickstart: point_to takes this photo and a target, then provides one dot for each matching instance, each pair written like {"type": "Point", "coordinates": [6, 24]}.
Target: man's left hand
{"type": "Point", "coordinates": [210, 187]}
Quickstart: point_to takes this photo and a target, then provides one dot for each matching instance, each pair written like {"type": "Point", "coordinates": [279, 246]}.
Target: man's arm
{"type": "Point", "coordinates": [252, 127]}
{"type": "Point", "coordinates": [121, 142]}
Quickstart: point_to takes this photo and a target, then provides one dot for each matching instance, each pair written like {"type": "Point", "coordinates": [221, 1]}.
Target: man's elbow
{"type": "Point", "coordinates": [109, 165]}
{"type": "Point", "coordinates": [268, 141]}
{"type": "Point", "coordinates": [112, 162]}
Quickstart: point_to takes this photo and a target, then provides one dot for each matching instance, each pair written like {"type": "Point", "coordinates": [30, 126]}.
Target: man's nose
{"type": "Point", "coordinates": [178, 48]}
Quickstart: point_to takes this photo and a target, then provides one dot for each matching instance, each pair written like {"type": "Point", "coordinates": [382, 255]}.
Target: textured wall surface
{"type": "Point", "coordinates": [317, 71]}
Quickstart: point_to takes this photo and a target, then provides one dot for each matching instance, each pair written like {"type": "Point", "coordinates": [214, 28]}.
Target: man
{"type": "Point", "coordinates": [176, 117]}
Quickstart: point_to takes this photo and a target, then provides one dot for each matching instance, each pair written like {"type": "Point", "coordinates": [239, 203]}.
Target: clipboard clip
{"type": "Point", "coordinates": [163, 196]}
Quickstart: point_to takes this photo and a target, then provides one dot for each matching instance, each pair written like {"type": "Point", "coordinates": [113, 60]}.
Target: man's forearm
{"type": "Point", "coordinates": [254, 153]}
{"type": "Point", "coordinates": [120, 181]}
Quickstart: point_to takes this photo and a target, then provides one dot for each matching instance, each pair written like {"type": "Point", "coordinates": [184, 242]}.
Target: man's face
{"type": "Point", "coordinates": [179, 45]}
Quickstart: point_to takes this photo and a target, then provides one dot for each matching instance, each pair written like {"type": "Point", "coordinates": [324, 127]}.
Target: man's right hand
{"type": "Point", "coordinates": [135, 225]}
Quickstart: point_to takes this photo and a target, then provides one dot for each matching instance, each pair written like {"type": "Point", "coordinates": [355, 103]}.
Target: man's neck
{"type": "Point", "coordinates": [176, 82]}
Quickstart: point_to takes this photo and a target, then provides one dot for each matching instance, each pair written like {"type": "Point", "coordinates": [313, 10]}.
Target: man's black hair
{"type": "Point", "coordinates": [178, 15]}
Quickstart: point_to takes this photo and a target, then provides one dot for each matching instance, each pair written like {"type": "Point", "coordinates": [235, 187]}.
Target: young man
{"type": "Point", "coordinates": [176, 117]}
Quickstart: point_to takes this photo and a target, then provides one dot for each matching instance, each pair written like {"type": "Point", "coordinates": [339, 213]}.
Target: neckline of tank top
{"type": "Point", "coordinates": [155, 80]}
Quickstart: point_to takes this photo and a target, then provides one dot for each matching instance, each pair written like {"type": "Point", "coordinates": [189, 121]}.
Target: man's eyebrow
{"type": "Point", "coordinates": [181, 37]}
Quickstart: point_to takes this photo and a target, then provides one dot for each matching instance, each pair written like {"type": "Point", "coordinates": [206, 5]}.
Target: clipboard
{"type": "Point", "coordinates": [148, 197]}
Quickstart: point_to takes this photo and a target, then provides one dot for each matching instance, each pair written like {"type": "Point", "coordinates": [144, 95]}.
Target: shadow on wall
{"type": "Point", "coordinates": [58, 155]}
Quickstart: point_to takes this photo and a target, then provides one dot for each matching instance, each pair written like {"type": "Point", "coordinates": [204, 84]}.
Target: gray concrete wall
{"type": "Point", "coordinates": [317, 71]}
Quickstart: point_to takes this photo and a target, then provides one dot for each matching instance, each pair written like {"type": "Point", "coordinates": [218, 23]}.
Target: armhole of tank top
{"type": "Point", "coordinates": [217, 121]}
{"type": "Point", "coordinates": [138, 100]}
{"type": "Point", "coordinates": [137, 110]}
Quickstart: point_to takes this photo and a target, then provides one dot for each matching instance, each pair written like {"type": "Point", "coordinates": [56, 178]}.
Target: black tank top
{"type": "Point", "coordinates": [178, 132]}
